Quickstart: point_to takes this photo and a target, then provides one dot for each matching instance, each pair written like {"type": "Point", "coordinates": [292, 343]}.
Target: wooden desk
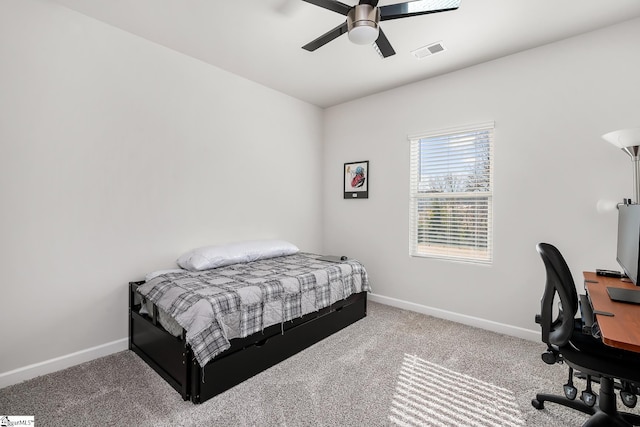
{"type": "Point", "coordinates": [623, 329]}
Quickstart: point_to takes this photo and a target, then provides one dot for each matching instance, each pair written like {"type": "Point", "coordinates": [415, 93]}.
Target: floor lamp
{"type": "Point", "coordinates": [629, 141]}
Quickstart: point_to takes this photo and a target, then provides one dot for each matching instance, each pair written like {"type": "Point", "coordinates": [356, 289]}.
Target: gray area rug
{"type": "Point", "coordinates": [393, 368]}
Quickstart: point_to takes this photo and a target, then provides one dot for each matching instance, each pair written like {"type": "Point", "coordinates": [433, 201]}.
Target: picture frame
{"type": "Point", "coordinates": [356, 180]}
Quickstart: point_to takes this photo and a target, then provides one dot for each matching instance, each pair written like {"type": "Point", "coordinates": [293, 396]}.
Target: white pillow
{"type": "Point", "coordinates": [234, 253]}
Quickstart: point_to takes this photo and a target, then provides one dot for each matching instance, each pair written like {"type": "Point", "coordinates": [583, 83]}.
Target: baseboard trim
{"type": "Point", "coordinates": [52, 365]}
{"type": "Point", "coordinates": [48, 366]}
{"type": "Point", "coordinates": [477, 322]}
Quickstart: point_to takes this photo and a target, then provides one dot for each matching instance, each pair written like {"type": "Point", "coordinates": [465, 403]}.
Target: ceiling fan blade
{"type": "Point", "coordinates": [326, 37]}
{"type": "Point", "coordinates": [383, 45]}
{"type": "Point", "coordinates": [373, 3]}
{"type": "Point", "coordinates": [333, 5]}
{"type": "Point", "coordinates": [415, 8]}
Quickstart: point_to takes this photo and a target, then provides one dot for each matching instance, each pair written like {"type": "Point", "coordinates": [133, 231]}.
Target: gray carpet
{"type": "Point", "coordinates": [394, 367]}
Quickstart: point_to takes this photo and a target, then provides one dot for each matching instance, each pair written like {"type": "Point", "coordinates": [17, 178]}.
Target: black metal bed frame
{"type": "Point", "coordinates": [171, 357]}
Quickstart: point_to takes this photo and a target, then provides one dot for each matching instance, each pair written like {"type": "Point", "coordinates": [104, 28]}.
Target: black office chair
{"type": "Point", "coordinates": [566, 342]}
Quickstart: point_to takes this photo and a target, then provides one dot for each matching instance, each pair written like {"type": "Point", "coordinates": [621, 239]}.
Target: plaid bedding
{"type": "Point", "coordinates": [216, 305]}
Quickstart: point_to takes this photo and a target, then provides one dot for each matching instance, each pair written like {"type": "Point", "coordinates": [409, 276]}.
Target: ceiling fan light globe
{"type": "Point", "coordinates": [363, 34]}
{"type": "Point", "coordinates": [362, 24]}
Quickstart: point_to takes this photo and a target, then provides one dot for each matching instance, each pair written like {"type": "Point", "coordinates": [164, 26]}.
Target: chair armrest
{"type": "Point", "coordinates": [586, 312]}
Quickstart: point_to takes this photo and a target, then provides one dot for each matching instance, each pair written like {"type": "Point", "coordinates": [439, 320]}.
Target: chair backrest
{"type": "Point", "coordinates": [557, 331]}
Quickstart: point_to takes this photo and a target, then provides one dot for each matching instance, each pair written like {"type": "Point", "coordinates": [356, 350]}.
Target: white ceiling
{"type": "Point", "coordinates": [261, 40]}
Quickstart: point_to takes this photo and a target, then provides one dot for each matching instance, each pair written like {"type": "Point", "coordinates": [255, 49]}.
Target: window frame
{"type": "Point", "coordinates": [458, 247]}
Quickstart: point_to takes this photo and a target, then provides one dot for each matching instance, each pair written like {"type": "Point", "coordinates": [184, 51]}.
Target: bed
{"type": "Point", "coordinates": [207, 330]}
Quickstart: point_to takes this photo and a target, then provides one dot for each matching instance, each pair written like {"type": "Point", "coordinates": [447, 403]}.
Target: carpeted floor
{"type": "Point", "coordinates": [394, 367]}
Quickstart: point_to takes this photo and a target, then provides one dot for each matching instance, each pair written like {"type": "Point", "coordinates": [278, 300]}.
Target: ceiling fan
{"type": "Point", "coordinates": [363, 19]}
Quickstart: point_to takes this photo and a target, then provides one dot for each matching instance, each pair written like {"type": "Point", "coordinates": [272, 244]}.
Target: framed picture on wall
{"type": "Point", "coordinates": [356, 180]}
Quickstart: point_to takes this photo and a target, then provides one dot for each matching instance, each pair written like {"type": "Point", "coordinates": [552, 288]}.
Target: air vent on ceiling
{"type": "Point", "coordinates": [432, 49]}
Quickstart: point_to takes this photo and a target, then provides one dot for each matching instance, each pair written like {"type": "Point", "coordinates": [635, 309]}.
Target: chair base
{"type": "Point", "coordinates": [619, 419]}
{"type": "Point", "coordinates": [604, 415]}
{"type": "Point", "coordinates": [578, 405]}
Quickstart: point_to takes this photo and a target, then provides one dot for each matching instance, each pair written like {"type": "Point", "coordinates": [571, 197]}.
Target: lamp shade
{"type": "Point", "coordinates": [629, 141]}
{"type": "Point", "coordinates": [623, 138]}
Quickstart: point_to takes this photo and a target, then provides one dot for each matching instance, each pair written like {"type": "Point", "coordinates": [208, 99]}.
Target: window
{"type": "Point", "coordinates": [451, 194]}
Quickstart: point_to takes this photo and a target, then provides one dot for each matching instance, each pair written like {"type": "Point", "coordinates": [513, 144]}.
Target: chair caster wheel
{"type": "Point", "coordinates": [588, 398]}
{"type": "Point", "coordinates": [570, 391]}
{"type": "Point", "coordinates": [629, 399]}
{"type": "Point", "coordinates": [537, 404]}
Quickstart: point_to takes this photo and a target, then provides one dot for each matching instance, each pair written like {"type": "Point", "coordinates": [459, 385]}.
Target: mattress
{"type": "Point", "coordinates": [214, 306]}
{"type": "Point", "coordinates": [166, 321]}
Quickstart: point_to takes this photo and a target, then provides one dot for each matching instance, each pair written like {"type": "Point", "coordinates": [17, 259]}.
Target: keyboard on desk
{"type": "Point", "coordinates": [631, 296]}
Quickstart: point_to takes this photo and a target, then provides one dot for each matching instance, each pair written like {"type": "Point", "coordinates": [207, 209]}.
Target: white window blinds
{"type": "Point", "coordinates": [451, 194]}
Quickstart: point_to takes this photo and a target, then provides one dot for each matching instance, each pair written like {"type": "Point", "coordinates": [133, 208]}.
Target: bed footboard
{"type": "Point", "coordinates": [169, 356]}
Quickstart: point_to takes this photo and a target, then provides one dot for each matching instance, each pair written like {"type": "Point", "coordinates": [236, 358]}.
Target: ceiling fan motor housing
{"type": "Point", "coordinates": [362, 23]}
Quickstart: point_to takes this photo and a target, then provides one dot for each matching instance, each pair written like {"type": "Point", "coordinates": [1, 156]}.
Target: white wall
{"type": "Point", "coordinates": [117, 155]}
{"type": "Point", "coordinates": [550, 106]}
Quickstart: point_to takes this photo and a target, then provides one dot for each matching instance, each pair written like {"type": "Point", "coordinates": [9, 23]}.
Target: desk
{"type": "Point", "coordinates": [622, 330]}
